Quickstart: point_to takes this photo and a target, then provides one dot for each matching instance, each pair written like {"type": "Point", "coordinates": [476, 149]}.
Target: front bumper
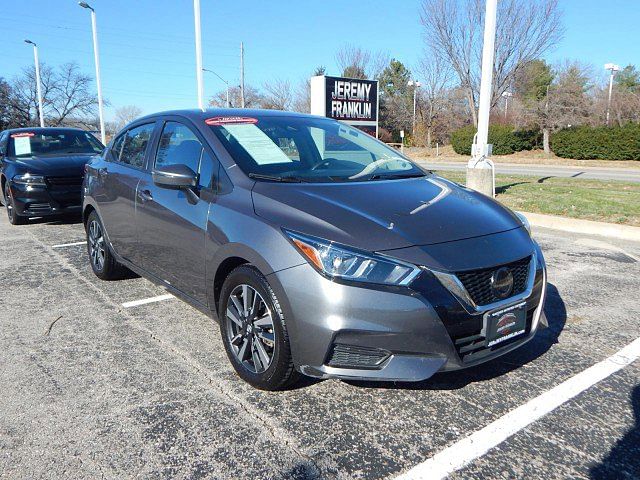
{"type": "Point", "coordinates": [386, 334]}
{"type": "Point", "coordinates": [40, 201]}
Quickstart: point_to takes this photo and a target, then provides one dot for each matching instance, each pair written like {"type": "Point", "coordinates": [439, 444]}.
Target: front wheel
{"type": "Point", "coordinates": [9, 203]}
{"type": "Point", "coordinates": [254, 332]}
{"type": "Point", "coordinates": [103, 263]}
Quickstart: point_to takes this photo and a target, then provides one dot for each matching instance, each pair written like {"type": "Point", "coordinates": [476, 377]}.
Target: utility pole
{"type": "Point", "coordinates": [199, 75]}
{"type": "Point", "coordinates": [241, 75]}
{"type": "Point", "coordinates": [480, 169]}
{"type": "Point", "coordinates": [613, 68]}
{"type": "Point", "coordinates": [96, 59]}
{"type": "Point", "coordinates": [415, 84]}
{"type": "Point", "coordinates": [38, 84]}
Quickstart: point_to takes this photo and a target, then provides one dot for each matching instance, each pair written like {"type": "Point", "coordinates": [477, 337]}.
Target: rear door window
{"type": "Point", "coordinates": [135, 145]}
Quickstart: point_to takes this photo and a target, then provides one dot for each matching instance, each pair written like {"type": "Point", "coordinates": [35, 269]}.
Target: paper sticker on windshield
{"type": "Point", "coordinates": [257, 144]}
{"type": "Point", "coordinates": [216, 121]}
{"type": "Point", "coordinates": [22, 145]}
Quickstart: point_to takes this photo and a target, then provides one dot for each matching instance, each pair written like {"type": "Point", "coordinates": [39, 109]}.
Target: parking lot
{"type": "Point", "coordinates": [95, 384]}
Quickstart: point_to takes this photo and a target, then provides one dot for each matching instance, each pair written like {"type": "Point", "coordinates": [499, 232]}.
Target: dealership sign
{"type": "Point", "coordinates": [351, 100]}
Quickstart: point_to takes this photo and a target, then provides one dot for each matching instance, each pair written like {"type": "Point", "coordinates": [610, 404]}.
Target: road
{"type": "Point", "coordinates": [591, 173]}
{"type": "Point", "coordinates": [95, 383]}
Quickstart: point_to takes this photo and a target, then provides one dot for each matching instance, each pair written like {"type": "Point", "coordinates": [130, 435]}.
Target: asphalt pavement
{"type": "Point", "coordinates": [590, 173]}
{"type": "Point", "coordinates": [91, 388]}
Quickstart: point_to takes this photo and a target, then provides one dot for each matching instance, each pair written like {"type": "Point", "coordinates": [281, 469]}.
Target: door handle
{"type": "Point", "coordinates": [145, 195]}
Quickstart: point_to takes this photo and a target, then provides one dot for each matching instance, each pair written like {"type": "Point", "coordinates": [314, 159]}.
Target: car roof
{"type": "Point", "coordinates": [201, 115]}
{"type": "Point", "coordinates": [42, 129]}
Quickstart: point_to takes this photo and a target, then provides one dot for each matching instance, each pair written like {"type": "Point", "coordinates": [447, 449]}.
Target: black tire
{"type": "Point", "coordinates": [101, 259]}
{"type": "Point", "coordinates": [14, 218]}
{"type": "Point", "coordinates": [280, 372]}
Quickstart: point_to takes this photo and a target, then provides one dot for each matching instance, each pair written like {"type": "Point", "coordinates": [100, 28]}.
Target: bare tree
{"type": "Point", "coordinates": [24, 99]}
{"type": "Point", "coordinates": [66, 94]}
{"type": "Point", "coordinates": [278, 95]}
{"type": "Point", "coordinates": [126, 114]}
{"type": "Point", "coordinates": [525, 30]}
{"type": "Point", "coordinates": [252, 98]}
{"type": "Point", "coordinates": [435, 75]}
{"type": "Point", "coordinates": [355, 62]}
{"type": "Point", "coordinates": [71, 95]}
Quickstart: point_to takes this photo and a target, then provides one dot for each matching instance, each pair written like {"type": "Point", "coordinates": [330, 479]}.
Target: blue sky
{"type": "Point", "coordinates": [147, 47]}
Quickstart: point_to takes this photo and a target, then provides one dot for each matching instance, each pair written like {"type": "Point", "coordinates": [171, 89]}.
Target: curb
{"type": "Point", "coordinates": [611, 230]}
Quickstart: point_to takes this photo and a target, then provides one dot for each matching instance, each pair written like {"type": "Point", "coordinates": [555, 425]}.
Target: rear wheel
{"type": "Point", "coordinates": [102, 261]}
{"type": "Point", "coordinates": [254, 331]}
{"type": "Point", "coordinates": [9, 203]}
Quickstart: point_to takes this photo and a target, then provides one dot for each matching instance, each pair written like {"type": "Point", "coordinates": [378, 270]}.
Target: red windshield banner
{"type": "Point", "coordinates": [22, 134]}
{"type": "Point", "coordinates": [216, 121]}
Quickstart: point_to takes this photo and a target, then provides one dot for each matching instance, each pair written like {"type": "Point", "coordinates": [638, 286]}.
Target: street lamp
{"type": "Point", "coordinates": [480, 169]}
{"type": "Point", "coordinates": [613, 68]}
{"type": "Point", "coordinates": [96, 59]}
{"type": "Point", "coordinates": [199, 69]}
{"type": "Point", "coordinates": [38, 86]}
{"type": "Point", "coordinates": [225, 82]}
{"type": "Point", "coordinates": [415, 84]}
{"type": "Point", "coordinates": [507, 96]}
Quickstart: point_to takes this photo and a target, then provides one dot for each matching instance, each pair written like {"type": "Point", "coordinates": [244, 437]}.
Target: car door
{"type": "Point", "coordinates": [118, 179]}
{"type": "Point", "coordinates": [172, 224]}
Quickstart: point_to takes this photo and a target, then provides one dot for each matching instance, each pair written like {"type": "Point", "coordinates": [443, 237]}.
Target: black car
{"type": "Point", "coordinates": [41, 170]}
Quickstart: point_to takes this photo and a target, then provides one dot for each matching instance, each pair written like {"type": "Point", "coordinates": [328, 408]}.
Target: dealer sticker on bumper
{"type": "Point", "coordinates": [506, 323]}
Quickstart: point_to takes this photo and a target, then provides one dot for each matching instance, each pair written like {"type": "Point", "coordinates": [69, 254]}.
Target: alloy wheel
{"type": "Point", "coordinates": [96, 245]}
{"type": "Point", "coordinates": [250, 328]}
{"type": "Point", "coordinates": [8, 201]}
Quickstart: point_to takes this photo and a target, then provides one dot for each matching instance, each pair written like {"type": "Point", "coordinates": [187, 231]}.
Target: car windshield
{"type": "Point", "coordinates": [52, 142]}
{"type": "Point", "coordinates": [307, 149]}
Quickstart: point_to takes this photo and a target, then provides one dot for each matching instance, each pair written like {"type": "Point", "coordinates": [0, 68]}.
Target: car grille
{"type": "Point", "coordinates": [352, 356]}
{"type": "Point", "coordinates": [478, 282]}
{"type": "Point", "coordinates": [65, 181]}
{"type": "Point", "coordinates": [473, 347]}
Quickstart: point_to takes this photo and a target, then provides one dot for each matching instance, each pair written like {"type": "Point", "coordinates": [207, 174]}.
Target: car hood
{"type": "Point", "coordinates": [55, 166]}
{"type": "Point", "coordinates": [385, 214]}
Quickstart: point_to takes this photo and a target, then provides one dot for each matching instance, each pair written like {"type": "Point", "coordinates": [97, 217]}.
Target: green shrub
{"type": "Point", "coordinates": [504, 138]}
{"type": "Point", "coordinates": [598, 143]}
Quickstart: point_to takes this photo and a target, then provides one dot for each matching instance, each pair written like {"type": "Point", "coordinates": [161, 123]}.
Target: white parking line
{"type": "Point", "coordinates": [84, 242]}
{"type": "Point", "coordinates": [477, 444]}
{"type": "Point", "coordinates": [144, 301]}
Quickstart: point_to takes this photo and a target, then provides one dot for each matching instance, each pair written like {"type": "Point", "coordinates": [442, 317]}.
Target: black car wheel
{"type": "Point", "coordinates": [14, 218]}
{"type": "Point", "coordinates": [254, 330]}
{"type": "Point", "coordinates": [102, 261]}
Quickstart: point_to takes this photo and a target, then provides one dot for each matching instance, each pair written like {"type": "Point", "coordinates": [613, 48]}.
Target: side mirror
{"type": "Point", "coordinates": [174, 176]}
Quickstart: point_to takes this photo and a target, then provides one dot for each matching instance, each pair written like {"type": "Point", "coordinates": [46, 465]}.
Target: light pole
{"type": "Point", "coordinates": [96, 58]}
{"type": "Point", "coordinates": [38, 86]}
{"type": "Point", "coordinates": [199, 77]}
{"type": "Point", "coordinates": [507, 96]}
{"type": "Point", "coordinates": [613, 68]}
{"type": "Point", "coordinates": [225, 82]}
{"type": "Point", "coordinates": [241, 74]}
{"type": "Point", "coordinates": [415, 84]}
{"type": "Point", "coordinates": [480, 170]}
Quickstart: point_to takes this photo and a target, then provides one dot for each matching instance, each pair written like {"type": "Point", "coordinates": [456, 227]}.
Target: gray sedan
{"type": "Point", "coordinates": [318, 249]}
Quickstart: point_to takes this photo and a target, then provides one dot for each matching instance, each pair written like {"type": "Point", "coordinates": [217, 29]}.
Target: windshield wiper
{"type": "Point", "coordinates": [275, 178]}
{"type": "Point", "coordinates": [391, 176]}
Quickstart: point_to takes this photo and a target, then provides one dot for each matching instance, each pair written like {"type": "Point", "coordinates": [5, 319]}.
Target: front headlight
{"type": "Point", "coordinates": [341, 262]}
{"type": "Point", "coordinates": [28, 179]}
{"type": "Point", "coordinates": [524, 221]}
